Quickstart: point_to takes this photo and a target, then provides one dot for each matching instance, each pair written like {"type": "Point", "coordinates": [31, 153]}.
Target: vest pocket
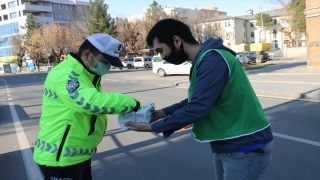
{"type": "Point", "coordinates": [62, 142]}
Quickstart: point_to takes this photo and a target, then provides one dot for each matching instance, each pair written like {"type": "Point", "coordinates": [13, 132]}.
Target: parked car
{"type": "Point", "coordinates": [275, 54]}
{"type": "Point", "coordinates": [239, 58]}
{"type": "Point", "coordinates": [127, 63]}
{"type": "Point", "coordinates": [263, 56]}
{"type": "Point", "coordinates": [155, 60]}
{"type": "Point", "coordinates": [144, 61]}
{"type": "Point", "coordinates": [164, 68]}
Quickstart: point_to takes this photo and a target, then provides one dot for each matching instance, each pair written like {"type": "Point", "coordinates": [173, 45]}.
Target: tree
{"type": "Point", "coordinates": [18, 49]}
{"type": "Point", "coordinates": [56, 40]}
{"type": "Point", "coordinates": [297, 22]}
{"type": "Point", "coordinates": [35, 47]}
{"type": "Point", "coordinates": [99, 21]}
{"type": "Point", "coordinates": [265, 22]}
{"type": "Point", "coordinates": [129, 34]}
{"type": "Point", "coordinates": [296, 9]}
{"type": "Point", "coordinates": [30, 25]}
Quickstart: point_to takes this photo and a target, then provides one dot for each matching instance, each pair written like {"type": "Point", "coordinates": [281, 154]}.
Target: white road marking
{"type": "Point", "coordinates": [286, 74]}
{"type": "Point", "coordinates": [285, 82]}
{"type": "Point", "coordinates": [32, 168]}
{"type": "Point", "coordinates": [314, 143]}
{"type": "Point", "coordinates": [288, 98]}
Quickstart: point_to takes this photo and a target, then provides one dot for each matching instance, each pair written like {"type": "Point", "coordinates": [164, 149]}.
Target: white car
{"type": "Point", "coordinates": [164, 68]}
{"type": "Point", "coordinates": [156, 60]}
{"type": "Point", "coordinates": [239, 58]}
{"type": "Point", "coordinates": [144, 61]}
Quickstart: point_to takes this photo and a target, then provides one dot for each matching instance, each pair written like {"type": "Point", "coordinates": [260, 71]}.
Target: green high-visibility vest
{"type": "Point", "coordinates": [237, 111]}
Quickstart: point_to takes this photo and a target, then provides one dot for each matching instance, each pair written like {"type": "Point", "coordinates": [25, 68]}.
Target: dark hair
{"type": "Point", "coordinates": [86, 45]}
{"type": "Point", "coordinates": [165, 29]}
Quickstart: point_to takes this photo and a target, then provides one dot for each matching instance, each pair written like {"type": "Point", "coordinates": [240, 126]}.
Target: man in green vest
{"type": "Point", "coordinates": [221, 104]}
{"type": "Point", "coordinates": [74, 109]}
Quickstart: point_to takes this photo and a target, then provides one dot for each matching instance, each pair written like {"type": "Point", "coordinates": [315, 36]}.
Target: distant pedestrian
{"type": "Point", "coordinates": [221, 104]}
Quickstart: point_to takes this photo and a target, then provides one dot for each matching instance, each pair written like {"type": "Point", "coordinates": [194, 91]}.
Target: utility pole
{"type": "Point", "coordinates": [261, 19]}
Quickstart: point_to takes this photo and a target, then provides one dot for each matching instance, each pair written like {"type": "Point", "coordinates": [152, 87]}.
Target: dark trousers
{"type": "Point", "coordinates": [81, 171]}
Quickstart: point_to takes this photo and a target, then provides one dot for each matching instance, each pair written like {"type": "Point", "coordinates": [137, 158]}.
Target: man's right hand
{"type": "Point", "coordinates": [157, 114]}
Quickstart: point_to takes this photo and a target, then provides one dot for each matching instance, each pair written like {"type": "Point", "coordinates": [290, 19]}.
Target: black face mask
{"type": "Point", "coordinates": [176, 57]}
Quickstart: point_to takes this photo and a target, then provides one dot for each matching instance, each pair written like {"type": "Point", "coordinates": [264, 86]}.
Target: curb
{"type": "Point", "coordinates": [314, 97]}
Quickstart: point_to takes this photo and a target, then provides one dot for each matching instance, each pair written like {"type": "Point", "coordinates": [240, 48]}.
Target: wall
{"type": "Point", "coordinates": [295, 52]}
{"type": "Point", "coordinates": [313, 32]}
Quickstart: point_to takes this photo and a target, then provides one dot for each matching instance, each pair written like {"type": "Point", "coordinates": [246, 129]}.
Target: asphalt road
{"type": "Point", "coordinates": [132, 155]}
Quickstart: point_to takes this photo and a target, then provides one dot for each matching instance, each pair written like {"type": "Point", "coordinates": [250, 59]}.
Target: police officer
{"type": "Point", "coordinates": [74, 109]}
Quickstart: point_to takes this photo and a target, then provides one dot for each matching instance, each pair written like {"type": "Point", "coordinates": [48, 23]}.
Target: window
{"type": "Point", "coordinates": [5, 51]}
{"type": "Point", "coordinates": [11, 4]}
{"type": "Point", "coordinates": [60, 16]}
{"type": "Point", "coordinates": [274, 21]}
{"type": "Point", "coordinates": [252, 34]}
{"type": "Point", "coordinates": [251, 24]}
{"type": "Point", "coordinates": [5, 17]}
{"type": "Point", "coordinates": [13, 15]}
{"type": "Point", "coordinates": [19, 14]}
{"type": "Point", "coordinates": [67, 7]}
{"type": "Point", "coordinates": [225, 24]}
{"type": "Point", "coordinates": [3, 7]}
{"type": "Point", "coordinates": [228, 23]}
{"type": "Point", "coordinates": [0, 18]}
{"type": "Point", "coordinates": [59, 6]}
{"type": "Point", "coordinates": [7, 29]}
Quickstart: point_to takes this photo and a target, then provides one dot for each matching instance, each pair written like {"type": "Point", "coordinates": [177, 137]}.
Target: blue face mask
{"type": "Point", "coordinates": [101, 69]}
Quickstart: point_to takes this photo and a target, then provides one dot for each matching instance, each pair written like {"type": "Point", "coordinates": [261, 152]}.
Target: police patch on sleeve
{"type": "Point", "coordinates": [72, 85]}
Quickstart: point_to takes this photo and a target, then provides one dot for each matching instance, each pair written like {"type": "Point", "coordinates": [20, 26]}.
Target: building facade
{"type": "Point", "coordinates": [13, 15]}
{"type": "Point", "coordinates": [243, 29]}
{"type": "Point", "coordinates": [184, 13]}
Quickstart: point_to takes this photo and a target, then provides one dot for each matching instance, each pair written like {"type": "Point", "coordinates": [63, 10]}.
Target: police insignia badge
{"type": "Point", "coordinates": [72, 85]}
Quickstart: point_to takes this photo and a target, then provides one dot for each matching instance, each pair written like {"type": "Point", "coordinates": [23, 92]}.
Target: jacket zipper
{"type": "Point", "coordinates": [93, 122]}
{"type": "Point", "coordinates": [62, 142]}
{"type": "Point", "coordinates": [96, 83]}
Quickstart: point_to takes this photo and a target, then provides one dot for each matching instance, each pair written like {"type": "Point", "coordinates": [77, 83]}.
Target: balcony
{"type": "Point", "coordinates": [35, 8]}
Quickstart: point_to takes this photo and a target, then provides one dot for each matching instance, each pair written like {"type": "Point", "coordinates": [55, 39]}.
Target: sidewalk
{"type": "Point", "coordinates": [288, 79]}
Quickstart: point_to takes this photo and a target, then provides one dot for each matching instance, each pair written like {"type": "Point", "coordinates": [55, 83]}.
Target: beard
{"type": "Point", "coordinates": [177, 56]}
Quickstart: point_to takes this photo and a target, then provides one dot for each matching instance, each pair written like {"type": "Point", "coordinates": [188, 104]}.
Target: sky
{"type": "Point", "coordinates": [123, 8]}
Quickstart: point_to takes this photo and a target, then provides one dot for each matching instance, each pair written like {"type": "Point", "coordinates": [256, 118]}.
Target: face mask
{"type": "Point", "coordinates": [176, 57]}
{"type": "Point", "coordinates": [101, 69]}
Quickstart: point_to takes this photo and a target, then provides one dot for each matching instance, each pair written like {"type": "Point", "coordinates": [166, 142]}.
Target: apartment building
{"type": "Point", "coordinates": [13, 14]}
{"type": "Point", "coordinates": [235, 30]}
{"type": "Point", "coordinates": [200, 13]}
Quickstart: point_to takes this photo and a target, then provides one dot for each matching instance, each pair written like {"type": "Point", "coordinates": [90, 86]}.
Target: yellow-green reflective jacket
{"type": "Point", "coordinates": [74, 114]}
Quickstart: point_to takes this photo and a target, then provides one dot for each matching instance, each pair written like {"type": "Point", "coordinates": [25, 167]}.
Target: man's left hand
{"type": "Point", "coordinates": [141, 127]}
